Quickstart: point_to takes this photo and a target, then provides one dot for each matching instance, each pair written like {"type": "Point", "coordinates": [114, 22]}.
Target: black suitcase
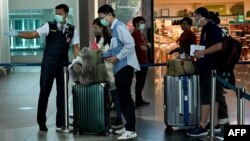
{"type": "Point", "coordinates": [91, 109]}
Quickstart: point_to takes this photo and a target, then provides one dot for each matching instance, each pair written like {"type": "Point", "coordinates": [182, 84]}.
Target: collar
{"type": "Point", "coordinates": [65, 26]}
{"type": "Point", "coordinates": [113, 24]}
{"type": "Point", "coordinates": [138, 31]}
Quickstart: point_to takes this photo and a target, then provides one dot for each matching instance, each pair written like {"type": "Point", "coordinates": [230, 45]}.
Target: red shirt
{"type": "Point", "coordinates": [140, 39]}
{"type": "Point", "coordinates": [186, 39]}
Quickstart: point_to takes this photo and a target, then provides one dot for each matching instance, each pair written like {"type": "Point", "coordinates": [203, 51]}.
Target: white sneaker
{"type": "Point", "coordinates": [127, 135]}
{"type": "Point", "coordinates": [120, 131]}
{"type": "Point", "coordinates": [224, 121]}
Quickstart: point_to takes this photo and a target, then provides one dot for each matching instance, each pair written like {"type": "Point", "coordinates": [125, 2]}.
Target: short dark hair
{"type": "Point", "coordinates": [203, 12]}
{"type": "Point", "coordinates": [106, 9]}
{"type": "Point", "coordinates": [214, 17]}
{"type": "Point", "coordinates": [64, 7]}
{"type": "Point", "coordinates": [137, 20]}
{"type": "Point", "coordinates": [188, 20]}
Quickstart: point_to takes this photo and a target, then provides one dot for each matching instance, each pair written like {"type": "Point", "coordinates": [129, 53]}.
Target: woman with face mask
{"type": "Point", "coordinates": [187, 37]}
{"type": "Point", "coordinates": [141, 47]}
{"type": "Point", "coordinates": [211, 38]}
{"type": "Point", "coordinates": [103, 39]}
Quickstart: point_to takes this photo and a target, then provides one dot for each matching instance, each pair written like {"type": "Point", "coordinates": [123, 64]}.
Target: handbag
{"type": "Point", "coordinates": [179, 67]}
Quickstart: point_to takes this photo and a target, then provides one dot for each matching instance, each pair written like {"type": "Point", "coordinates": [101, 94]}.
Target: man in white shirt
{"type": "Point", "coordinates": [59, 36]}
{"type": "Point", "coordinates": [122, 55]}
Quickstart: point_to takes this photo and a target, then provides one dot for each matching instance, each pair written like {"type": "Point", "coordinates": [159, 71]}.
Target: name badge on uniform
{"type": "Point", "coordinates": [52, 30]}
{"type": "Point", "coordinates": [68, 40]}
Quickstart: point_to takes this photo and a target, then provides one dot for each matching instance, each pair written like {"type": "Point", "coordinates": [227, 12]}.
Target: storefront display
{"type": "Point", "coordinates": [167, 30]}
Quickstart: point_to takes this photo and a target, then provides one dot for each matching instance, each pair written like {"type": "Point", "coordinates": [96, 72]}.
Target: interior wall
{"type": "Point", "coordinates": [4, 26]}
{"type": "Point", "coordinates": [174, 8]}
{"type": "Point", "coordinates": [45, 4]}
{"type": "Point", "coordinates": [195, 1]}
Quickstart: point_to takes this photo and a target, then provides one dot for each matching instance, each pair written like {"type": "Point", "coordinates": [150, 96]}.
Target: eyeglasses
{"type": "Point", "coordinates": [103, 16]}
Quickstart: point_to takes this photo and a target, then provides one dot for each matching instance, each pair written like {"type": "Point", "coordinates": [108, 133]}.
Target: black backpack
{"type": "Point", "coordinates": [228, 57]}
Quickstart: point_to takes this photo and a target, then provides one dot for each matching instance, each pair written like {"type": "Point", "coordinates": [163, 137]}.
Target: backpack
{"type": "Point", "coordinates": [90, 68]}
{"type": "Point", "coordinates": [228, 57]}
{"type": "Point", "coordinates": [231, 51]}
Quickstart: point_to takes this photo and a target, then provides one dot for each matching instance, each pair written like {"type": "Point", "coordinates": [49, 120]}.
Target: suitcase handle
{"type": "Point", "coordinates": [181, 108]}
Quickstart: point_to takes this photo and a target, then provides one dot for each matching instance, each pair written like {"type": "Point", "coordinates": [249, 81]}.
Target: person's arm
{"type": "Point", "coordinates": [139, 41]}
{"type": "Point", "coordinates": [212, 49]}
{"type": "Point", "coordinates": [128, 44]}
{"type": "Point", "coordinates": [28, 35]}
{"type": "Point", "coordinates": [127, 40]}
{"type": "Point", "coordinates": [76, 50]}
{"type": "Point", "coordinates": [41, 31]}
{"type": "Point", "coordinates": [75, 42]}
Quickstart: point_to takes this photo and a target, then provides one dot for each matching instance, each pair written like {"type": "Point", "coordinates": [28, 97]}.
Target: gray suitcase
{"type": "Point", "coordinates": [91, 109]}
{"type": "Point", "coordinates": [181, 101]}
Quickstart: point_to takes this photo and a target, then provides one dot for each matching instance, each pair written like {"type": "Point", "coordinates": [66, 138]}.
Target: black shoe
{"type": "Point", "coordinates": [217, 128]}
{"type": "Point", "coordinates": [144, 102]}
{"type": "Point", "coordinates": [139, 104]}
{"type": "Point", "coordinates": [43, 128]}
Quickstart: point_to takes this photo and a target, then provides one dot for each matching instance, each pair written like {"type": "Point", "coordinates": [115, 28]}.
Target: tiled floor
{"type": "Point", "coordinates": [18, 104]}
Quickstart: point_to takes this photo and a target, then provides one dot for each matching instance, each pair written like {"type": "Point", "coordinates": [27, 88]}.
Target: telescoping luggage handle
{"type": "Point", "coordinates": [65, 128]}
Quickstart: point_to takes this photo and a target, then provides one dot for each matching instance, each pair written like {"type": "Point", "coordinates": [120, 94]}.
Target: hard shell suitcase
{"type": "Point", "coordinates": [91, 109]}
{"type": "Point", "coordinates": [181, 101]}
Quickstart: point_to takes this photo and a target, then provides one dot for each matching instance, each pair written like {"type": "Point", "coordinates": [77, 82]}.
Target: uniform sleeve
{"type": "Point", "coordinates": [75, 39]}
{"type": "Point", "coordinates": [43, 30]}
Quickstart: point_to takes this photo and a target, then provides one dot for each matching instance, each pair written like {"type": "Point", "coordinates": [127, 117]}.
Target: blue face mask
{"type": "Point", "coordinates": [104, 22]}
{"type": "Point", "coordinates": [58, 18]}
{"type": "Point", "coordinates": [142, 27]}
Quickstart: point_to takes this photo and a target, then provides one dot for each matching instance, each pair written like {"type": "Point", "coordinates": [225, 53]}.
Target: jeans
{"type": "Point", "coordinates": [115, 98]}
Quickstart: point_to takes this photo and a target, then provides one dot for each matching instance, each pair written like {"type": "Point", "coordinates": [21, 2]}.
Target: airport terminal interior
{"type": "Point", "coordinates": [19, 96]}
{"type": "Point", "coordinates": [19, 85]}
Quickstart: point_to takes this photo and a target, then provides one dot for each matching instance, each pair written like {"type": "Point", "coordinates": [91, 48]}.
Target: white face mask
{"type": "Point", "coordinates": [142, 27]}
{"type": "Point", "coordinates": [58, 18]}
{"type": "Point", "coordinates": [198, 23]}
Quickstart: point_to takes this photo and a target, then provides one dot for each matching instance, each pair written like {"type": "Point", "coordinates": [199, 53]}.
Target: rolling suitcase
{"type": "Point", "coordinates": [181, 101]}
{"type": "Point", "coordinates": [91, 109]}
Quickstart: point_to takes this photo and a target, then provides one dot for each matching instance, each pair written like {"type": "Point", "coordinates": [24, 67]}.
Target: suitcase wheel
{"type": "Point", "coordinates": [106, 133]}
{"type": "Point", "coordinates": [169, 129]}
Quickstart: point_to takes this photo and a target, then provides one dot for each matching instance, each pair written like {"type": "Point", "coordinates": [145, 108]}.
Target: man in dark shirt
{"type": "Point", "coordinates": [211, 38]}
{"type": "Point", "coordinates": [60, 35]}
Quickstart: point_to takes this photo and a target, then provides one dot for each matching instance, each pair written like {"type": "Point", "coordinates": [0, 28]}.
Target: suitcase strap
{"type": "Point", "coordinates": [186, 99]}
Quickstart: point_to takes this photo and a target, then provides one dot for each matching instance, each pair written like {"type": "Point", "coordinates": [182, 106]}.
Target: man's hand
{"type": "Point", "coordinates": [199, 54]}
{"type": "Point", "coordinates": [11, 33]}
{"type": "Point", "coordinates": [112, 59]}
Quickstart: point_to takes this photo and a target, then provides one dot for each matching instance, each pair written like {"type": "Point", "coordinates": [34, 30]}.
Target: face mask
{"type": "Point", "coordinates": [201, 19]}
{"type": "Point", "coordinates": [104, 22]}
{"type": "Point", "coordinates": [58, 18]}
{"type": "Point", "coordinates": [97, 32]}
{"type": "Point", "coordinates": [142, 27]}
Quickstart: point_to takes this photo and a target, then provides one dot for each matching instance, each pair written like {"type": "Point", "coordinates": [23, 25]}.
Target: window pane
{"type": "Point", "coordinates": [18, 24]}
